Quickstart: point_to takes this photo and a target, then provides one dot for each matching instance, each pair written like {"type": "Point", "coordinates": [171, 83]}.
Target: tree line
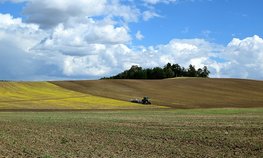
{"type": "Point", "coordinates": [168, 71]}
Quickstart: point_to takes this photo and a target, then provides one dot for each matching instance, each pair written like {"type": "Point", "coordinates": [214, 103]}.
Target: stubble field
{"type": "Point", "coordinates": [133, 133]}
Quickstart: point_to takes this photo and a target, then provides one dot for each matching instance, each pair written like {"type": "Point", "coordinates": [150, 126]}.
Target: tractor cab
{"type": "Point", "coordinates": [146, 100]}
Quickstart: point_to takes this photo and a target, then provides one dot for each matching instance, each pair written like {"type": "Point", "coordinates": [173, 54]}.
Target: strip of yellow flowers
{"type": "Point", "coordinates": [44, 95]}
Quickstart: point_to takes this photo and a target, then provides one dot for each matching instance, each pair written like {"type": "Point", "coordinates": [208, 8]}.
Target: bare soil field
{"type": "Point", "coordinates": [177, 92]}
{"type": "Point", "coordinates": [133, 133]}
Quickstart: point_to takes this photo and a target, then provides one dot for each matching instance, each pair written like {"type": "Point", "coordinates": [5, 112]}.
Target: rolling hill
{"type": "Point", "coordinates": [44, 95]}
{"type": "Point", "coordinates": [177, 92]}
{"type": "Point", "coordinates": [115, 94]}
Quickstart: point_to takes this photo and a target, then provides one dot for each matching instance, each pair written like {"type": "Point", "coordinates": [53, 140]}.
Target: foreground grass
{"type": "Point", "coordinates": [133, 133]}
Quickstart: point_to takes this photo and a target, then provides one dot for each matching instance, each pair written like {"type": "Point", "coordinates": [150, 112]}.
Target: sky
{"type": "Point", "coordinates": [90, 39]}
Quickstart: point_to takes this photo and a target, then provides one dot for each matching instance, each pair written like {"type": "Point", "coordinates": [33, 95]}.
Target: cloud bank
{"type": "Point", "coordinates": [63, 39]}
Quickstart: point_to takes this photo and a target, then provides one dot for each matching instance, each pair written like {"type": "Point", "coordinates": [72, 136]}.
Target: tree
{"type": "Point", "coordinates": [158, 73]}
{"type": "Point", "coordinates": [191, 71]}
{"type": "Point", "coordinates": [168, 66]}
{"type": "Point", "coordinates": [199, 72]}
{"type": "Point", "coordinates": [168, 71]}
{"type": "Point", "coordinates": [149, 73]}
{"type": "Point", "coordinates": [205, 72]}
{"type": "Point", "coordinates": [134, 71]}
{"type": "Point", "coordinates": [177, 70]}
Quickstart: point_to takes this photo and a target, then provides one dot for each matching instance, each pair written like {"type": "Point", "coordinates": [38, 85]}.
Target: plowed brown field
{"type": "Point", "coordinates": [177, 93]}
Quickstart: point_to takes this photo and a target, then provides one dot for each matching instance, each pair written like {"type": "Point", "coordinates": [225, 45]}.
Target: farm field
{"type": "Point", "coordinates": [116, 94]}
{"type": "Point", "coordinates": [189, 117]}
{"type": "Point", "coordinates": [45, 95]}
{"type": "Point", "coordinates": [225, 132]}
{"type": "Point", "coordinates": [177, 92]}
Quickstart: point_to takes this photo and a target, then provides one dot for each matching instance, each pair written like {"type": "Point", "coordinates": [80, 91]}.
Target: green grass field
{"type": "Point", "coordinates": [222, 132]}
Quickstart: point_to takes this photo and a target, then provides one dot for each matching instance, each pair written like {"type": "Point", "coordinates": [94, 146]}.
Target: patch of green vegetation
{"type": "Point", "coordinates": [63, 140]}
{"type": "Point", "coordinates": [133, 133]}
{"type": "Point", "coordinates": [46, 156]}
{"type": "Point", "coordinates": [221, 111]}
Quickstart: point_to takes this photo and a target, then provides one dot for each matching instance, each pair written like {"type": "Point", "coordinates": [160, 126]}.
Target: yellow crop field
{"type": "Point", "coordinates": [45, 95]}
{"type": "Point", "coordinates": [17, 91]}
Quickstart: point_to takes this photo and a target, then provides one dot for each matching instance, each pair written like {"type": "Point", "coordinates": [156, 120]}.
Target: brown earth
{"type": "Point", "coordinates": [153, 133]}
{"type": "Point", "coordinates": [177, 93]}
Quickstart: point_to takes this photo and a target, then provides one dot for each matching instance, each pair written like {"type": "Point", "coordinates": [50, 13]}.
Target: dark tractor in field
{"type": "Point", "coordinates": [145, 100]}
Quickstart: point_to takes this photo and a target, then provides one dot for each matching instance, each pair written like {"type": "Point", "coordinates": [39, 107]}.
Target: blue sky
{"type": "Point", "coordinates": [14, 9]}
{"type": "Point", "coordinates": [90, 39]}
{"type": "Point", "coordinates": [217, 21]}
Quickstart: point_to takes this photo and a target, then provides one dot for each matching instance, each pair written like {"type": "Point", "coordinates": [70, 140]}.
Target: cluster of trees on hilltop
{"type": "Point", "coordinates": [168, 71]}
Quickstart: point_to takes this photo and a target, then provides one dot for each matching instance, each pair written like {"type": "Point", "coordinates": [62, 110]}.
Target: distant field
{"type": "Point", "coordinates": [133, 133]}
{"type": "Point", "coordinates": [44, 95]}
{"type": "Point", "coordinates": [115, 94]}
{"type": "Point", "coordinates": [177, 93]}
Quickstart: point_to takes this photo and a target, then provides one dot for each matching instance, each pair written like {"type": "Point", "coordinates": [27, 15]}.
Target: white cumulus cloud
{"type": "Point", "coordinates": [65, 39]}
{"type": "Point", "coordinates": [87, 37]}
{"type": "Point", "coordinates": [139, 35]}
{"type": "Point", "coordinates": [244, 58]}
{"type": "Point", "coordinates": [159, 1]}
{"type": "Point", "coordinates": [149, 14]}
{"type": "Point", "coordinates": [49, 13]}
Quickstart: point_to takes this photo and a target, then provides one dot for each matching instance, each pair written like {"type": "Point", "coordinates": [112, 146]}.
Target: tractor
{"type": "Point", "coordinates": [145, 100]}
